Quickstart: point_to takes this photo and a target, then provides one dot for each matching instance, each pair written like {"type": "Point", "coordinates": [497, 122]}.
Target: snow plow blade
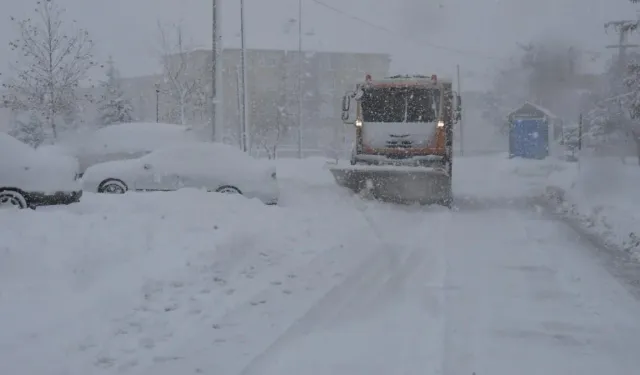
{"type": "Point", "coordinates": [397, 184]}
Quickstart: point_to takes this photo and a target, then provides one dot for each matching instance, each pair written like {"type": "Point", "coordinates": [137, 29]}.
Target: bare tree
{"type": "Point", "coordinates": [51, 62]}
{"type": "Point", "coordinates": [181, 72]}
{"type": "Point", "coordinates": [271, 111]}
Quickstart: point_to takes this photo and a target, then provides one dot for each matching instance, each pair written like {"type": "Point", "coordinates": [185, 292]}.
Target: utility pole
{"type": "Point", "coordinates": [243, 78]}
{"type": "Point", "coordinates": [624, 28]}
{"type": "Point", "coordinates": [216, 71]}
{"type": "Point", "coordinates": [157, 85]}
{"type": "Point", "coordinates": [239, 98]}
{"type": "Point", "coordinates": [461, 117]}
{"type": "Point", "coordinates": [299, 79]}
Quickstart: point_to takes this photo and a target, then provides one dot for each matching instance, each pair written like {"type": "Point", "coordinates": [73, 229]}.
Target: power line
{"type": "Point", "coordinates": [419, 41]}
{"type": "Point", "coordinates": [423, 42]}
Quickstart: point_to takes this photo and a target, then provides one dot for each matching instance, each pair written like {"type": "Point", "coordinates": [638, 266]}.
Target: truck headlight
{"type": "Point", "coordinates": [441, 124]}
{"type": "Point", "coordinates": [358, 123]}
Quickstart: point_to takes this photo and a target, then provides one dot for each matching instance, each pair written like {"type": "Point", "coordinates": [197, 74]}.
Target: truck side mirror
{"type": "Point", "coordinates": [345, 116]}
{"type": "Point", "coordinates": [346, 103]}
{"type": "Point", "coordinates": [346, 106]}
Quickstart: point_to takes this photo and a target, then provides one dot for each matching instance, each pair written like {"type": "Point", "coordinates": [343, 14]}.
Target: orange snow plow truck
{"type": "Point", "coordinates": [403, 149]}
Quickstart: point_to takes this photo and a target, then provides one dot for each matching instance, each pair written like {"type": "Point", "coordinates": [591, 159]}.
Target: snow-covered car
{"type": "Point", "coordinates": [215, 167]}
{"type": "Point", "coordinates": [124, 141]}
{"type": "Point", "coordinates": [31, 178]}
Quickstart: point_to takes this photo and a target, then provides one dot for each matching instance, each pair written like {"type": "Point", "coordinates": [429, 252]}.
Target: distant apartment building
{"type": "Point", "coordinates": [272, 85]}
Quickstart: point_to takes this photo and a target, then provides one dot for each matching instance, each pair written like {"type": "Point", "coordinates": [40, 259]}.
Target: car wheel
{"type": "Point", "coordinates": [12, 199]}
{"type": "Point", "coordinates": [112, 187]}
{"type": "Point", "coordinates": [228, 190]}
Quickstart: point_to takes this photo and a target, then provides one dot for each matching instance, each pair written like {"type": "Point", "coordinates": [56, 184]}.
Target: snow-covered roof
{"type": "Point", "coordinates": [542, 109]}
{"type": "Point", "coordinates": [546, 112]}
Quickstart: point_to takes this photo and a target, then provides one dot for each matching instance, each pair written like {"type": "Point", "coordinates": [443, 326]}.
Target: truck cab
{"type": "Point", "coordinates": [402, 120]}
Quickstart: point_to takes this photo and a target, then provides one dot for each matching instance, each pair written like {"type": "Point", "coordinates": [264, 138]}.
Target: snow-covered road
{"type": "Point", "coordinates": [512, 293]}
{"type": "Point", "coordinates": [325, 284]}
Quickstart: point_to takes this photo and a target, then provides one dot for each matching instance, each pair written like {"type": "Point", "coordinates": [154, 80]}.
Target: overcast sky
{"type": "Point", "coordinates": [484, 31]}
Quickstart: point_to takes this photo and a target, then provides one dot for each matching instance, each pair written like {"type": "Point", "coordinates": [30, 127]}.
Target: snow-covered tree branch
{"type": "Point", "coordinates": [114, 108]}
{"type": "Point", "coordinates": [181, 74]}
{"type": "Point", "coordinates": [30, 131]}
{"type": "Point", "coordinates": [51, 61]}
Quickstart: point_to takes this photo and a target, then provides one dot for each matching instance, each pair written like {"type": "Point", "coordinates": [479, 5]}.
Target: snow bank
{"type": "Point", "coordinates": [112, 281]}
{"type": "Point", "coordinates": [491, 176]}
{"type": "Point", "coordinates": [124, 141]}
{"type": "Point", "coordinates": [602, 194]}
{"type": "Point", "coordinates": [498, 177]}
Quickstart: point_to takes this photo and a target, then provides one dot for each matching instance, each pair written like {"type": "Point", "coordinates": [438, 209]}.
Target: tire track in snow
{"type": "Point", "coordinates": [379, 276]}
{"type": "Point", "coordinates": [229, 328]}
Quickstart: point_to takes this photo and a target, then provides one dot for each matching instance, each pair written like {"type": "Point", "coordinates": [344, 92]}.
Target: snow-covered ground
{"type": "Point", "coordinates": [190, 282]}
{"type": "Point", "coordinates": [602, 194]}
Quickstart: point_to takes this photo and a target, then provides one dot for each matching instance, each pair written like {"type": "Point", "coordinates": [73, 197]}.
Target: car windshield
{"type": "Point", "coordinates": [400, 105]}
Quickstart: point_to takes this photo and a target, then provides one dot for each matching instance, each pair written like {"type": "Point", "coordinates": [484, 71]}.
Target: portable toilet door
{"type": "Point", "coordinates": [529, 138]}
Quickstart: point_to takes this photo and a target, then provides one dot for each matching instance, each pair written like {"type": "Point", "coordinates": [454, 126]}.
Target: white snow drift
{"type": "Point", "coordinates": [124, 141]}
{"type": "Point", "coordinates": [190, 282]}
{"type": "Point", "coordinates": [213, 167]}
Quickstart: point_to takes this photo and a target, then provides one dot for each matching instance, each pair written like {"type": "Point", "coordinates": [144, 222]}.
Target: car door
{"type": "Point", "coordinates": [158, 174]}
{"type": "Point", "coordinates": [199, 171]}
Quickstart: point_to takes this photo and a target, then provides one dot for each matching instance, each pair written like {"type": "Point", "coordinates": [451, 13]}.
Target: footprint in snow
{"type": "Point", "coordinates": [128, 365]}
{"type": "Point", "coordinates": [162, 359]}
{"type": "Point", "coordinates": [195, 311]}
{"type": "Point", "coordinates": [172, 307]}
{"type": "Point", "coordinates": [105, 362]}
{"type": "Point", "coordinates": [177, 284]}
{"type": "Point", "coordinates": [147, 343]}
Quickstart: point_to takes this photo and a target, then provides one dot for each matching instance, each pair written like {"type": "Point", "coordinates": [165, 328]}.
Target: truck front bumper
{"type": "Point", "coordinates": [413, 160]}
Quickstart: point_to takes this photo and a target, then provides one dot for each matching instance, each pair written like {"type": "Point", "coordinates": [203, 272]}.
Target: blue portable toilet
{"type": "Point", "coordinates": [529, 132]}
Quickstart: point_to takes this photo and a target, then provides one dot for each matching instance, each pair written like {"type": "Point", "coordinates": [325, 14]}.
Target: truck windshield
{"type": "Point", "coordinates": [400, 105]}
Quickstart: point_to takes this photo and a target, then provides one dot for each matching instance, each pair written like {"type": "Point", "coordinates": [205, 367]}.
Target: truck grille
{"type": "Point", "coordinates": [399, 144]}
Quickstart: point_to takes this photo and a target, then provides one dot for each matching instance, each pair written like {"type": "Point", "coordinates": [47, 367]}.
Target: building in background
{"type": "Point", "coordinates": [272, 86]}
